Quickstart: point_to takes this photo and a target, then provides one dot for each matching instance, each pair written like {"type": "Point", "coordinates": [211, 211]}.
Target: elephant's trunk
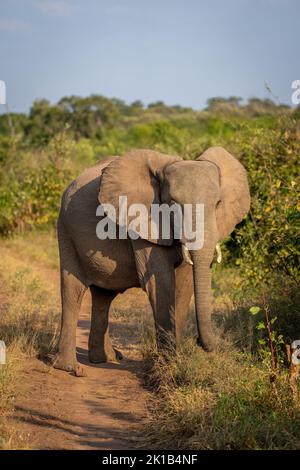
{"type": "Point", "coordinates": [202, 260]}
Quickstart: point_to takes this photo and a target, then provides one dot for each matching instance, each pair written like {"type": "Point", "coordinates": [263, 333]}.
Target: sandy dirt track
{"type": "Point", "coordinates": [103, 410]}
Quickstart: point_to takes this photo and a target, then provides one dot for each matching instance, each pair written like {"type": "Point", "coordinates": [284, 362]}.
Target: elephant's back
{"type": "Point", "coordinates": [88, 179]}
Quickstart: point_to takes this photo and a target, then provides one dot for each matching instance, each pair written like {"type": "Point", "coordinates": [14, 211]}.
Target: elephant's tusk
{"type": "Point", "coordinates": [219, 253]}
{"type": "Point", "coordinates": [186, 255]}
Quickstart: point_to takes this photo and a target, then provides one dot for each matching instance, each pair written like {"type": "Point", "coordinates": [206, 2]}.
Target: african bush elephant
{"type": "Point", "coordinates": [165, 272]}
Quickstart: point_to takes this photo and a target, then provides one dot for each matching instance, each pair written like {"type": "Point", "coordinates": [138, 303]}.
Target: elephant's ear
{"type": "Point", "coordinates": [234, 201]}
{"type": "Point", "coordinates": [136, 176]}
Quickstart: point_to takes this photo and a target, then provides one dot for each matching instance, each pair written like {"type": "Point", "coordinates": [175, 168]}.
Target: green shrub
{"type": "Point", "coordinates": [31, 188]}
{"type": "Point", "coordinates": [269, 240]}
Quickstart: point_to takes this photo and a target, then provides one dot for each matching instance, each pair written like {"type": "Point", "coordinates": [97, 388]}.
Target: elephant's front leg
{"type": "Point", "coordinates": [184, 292]}
{"type": "Point", "coordinates": [72, 291]}
{"type": "Point", "coordinates": [100, 347]}
{"type": "Point", "coordinates": [155, 266]}
{"type": "Point", "coordinates": [161, 292]}
{"type": "Point", "coordinates": [73, 287]}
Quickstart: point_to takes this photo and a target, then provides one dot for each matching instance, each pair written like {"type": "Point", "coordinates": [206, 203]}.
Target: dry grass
{"type": "Point", "coordinates": [29, 314]}
{"type": "Point", "coordinates": [219, 400]}
{"type": "Point", "coordinates": [223, 400]}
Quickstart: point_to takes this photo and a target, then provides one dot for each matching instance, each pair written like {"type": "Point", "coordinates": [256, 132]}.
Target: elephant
{"type": "Point", "coordinates": [165, 269]}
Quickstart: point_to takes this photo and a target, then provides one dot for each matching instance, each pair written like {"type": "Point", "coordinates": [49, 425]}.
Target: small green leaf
{"type": "Point", "coordinates": [254, 310]}
{"type": "Point", "coordinates": [260, 326]}
{"type": "Point", "coordinates": [262, 342]}
{"type": "Point", "coordinates": [273, 336]}
{"type": "Point", "coordinates": [273, 320]}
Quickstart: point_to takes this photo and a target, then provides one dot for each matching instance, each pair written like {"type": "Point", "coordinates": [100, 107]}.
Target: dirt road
{"type": "Point", "coordinates": [104, 410]}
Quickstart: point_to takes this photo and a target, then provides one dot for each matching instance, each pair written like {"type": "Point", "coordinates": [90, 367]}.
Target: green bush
{"type": "Point", "coordinates": [269, 239]}
{"type": "Point", "coordinates": [31, 188]}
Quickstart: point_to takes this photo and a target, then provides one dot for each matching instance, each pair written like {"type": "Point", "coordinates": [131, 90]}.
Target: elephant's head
{"type": "Point", "coordinates": [215, 179]}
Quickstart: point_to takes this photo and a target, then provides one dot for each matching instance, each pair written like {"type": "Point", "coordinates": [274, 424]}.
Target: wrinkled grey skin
{"type": "Point", "coordinates": [108, 267]}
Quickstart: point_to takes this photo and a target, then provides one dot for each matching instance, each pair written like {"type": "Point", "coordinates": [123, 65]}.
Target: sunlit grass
{"type": "Point", "coordinates": [29, 315]}
{"type": "Point", "coordinates": [224, 399]}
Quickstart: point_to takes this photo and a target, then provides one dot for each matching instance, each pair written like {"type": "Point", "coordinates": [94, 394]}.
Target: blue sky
{"type": "Point", "coordinates": [178, 51]}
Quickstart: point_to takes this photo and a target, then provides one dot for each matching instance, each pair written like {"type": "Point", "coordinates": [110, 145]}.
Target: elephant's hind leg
{"type": "Point", "coordinates": [100, 347]}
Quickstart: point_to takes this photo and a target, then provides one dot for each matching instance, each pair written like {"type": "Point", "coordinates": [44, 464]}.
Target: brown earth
{"type": "Point", "coordinates": [104, 410]}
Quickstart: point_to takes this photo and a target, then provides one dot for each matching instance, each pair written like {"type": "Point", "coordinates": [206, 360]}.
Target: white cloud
{"type": "Point", "coordinates": [14, 26]}
{"type": "Point", "coordinates": [54, 7]}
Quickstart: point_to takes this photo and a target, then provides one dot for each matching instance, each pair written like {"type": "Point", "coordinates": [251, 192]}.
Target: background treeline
{"type": "Point", "coordinates": [42, 151]}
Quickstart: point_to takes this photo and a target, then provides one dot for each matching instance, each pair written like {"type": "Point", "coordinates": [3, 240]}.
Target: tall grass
{"type": "Point", "coordinates": [224, 399]}
{"type": "Point", "coordinates": [28, 315]}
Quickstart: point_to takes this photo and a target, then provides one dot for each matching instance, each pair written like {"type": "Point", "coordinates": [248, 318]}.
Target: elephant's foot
{"type": "Point", "coordinates": [68, 365]}
{"type": "Point", "coordinates": [98, 357]}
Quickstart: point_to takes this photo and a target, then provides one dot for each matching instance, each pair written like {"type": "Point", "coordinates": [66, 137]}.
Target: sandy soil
{"type": "Point", "coordinates": [103, 410]}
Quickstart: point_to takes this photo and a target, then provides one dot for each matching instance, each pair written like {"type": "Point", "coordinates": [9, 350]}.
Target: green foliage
{"type": "Point", "coordinates": [269, 240]}
{"type": "Point", "coordinates": [254, 310]}
{"type": "Point", "coordinates": [30, 192]}
{"type": "Point", "coordinates": [268, 338]}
